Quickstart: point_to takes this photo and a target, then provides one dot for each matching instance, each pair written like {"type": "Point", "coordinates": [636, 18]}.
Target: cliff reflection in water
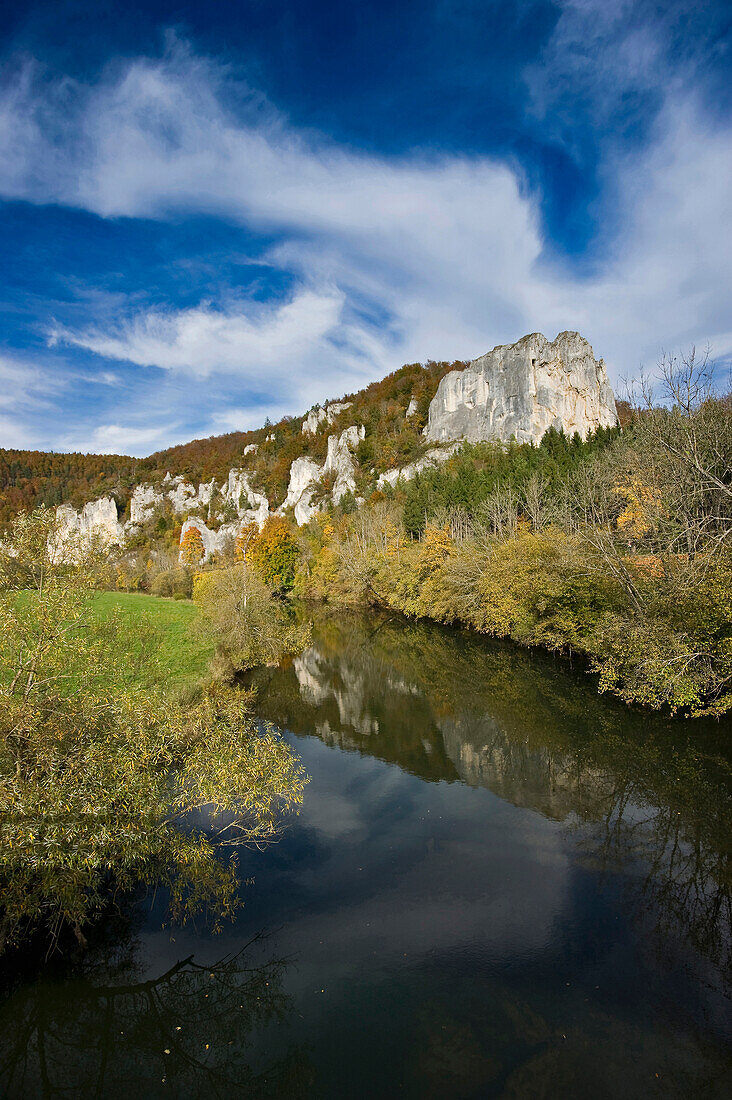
{"type": "Point", "coordinates": [638, 790]}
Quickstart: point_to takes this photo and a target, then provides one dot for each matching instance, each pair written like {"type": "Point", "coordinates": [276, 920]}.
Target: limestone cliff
{"type": "Point", "coordinates": [325, 414]}
{"type": "Point", "coordinates": [214, 542]}
{"type": "Point", "coordinates": [405, 473]}
{"type": "Point", "coordinates": [515, 391]}
{"type": "Point", "coordinates": [306, 475]}
{"type": "Point", "coordinates": [97, 520]}
{"type": "Point", "coordinates": [521, 390]}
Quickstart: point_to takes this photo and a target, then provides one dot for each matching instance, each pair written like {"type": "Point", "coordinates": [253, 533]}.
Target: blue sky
{"type": "Point", "coordinates": [212, 213]}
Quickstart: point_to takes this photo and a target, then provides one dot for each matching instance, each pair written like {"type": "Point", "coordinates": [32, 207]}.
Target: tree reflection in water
{"type": "Point", "coordinates": [646, 797]}
{"type": "Point", "coordinates": [186, 1032]}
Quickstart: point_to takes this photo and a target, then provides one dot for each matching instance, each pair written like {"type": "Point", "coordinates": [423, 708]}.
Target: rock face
{"type": "Point", "coordinates": [327, 413]}
{"type": "Point", "coordinates": [142, 503]}
{"type": "Point", "coordinates": [251, 506]}
{"type": "Point", "coordinates": [521, 390]}
{"type": "Point", "coordinates": [99, 517]}
{"type": "Point", "coordinates": [405, 473]}
{"type": "Point", "coordinates": [340, 463]}
{"type": "Point", "coordinates": [96, 520]}
{"type": "Point", "coordinates": [213, 541]}
{"type": "Point", "coordinates": [182, 495]}
{"type": "Point", "coordinates": [305, 475]}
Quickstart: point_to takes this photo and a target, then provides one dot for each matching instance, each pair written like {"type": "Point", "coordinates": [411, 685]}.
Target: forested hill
{"type": "Point", "coordinates": [32, 478]}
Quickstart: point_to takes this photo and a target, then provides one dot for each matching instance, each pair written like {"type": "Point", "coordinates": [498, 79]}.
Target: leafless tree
{"type": "Point", "coordinates": [534, 500]}
{"type": "Point", "coordinates": [499, 513]}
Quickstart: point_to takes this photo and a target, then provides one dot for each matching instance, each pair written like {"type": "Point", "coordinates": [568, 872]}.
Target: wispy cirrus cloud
{"type": "Point", "coordinates": [122, 438]}
{"type": "Point", "coordinates": [206, 340]}
{"type": "Point", "coordinates": [385, 259]}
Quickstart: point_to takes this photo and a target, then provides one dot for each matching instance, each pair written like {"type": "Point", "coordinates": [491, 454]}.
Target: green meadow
{"type": "Point", "coordinates": [182, 652]}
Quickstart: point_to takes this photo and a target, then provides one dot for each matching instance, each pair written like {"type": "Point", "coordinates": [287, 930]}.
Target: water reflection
{"type": "Point", "coordinates": [105, 1031]}
{"type": "Point", "coordinates": [499, 885]}
{"type": "Point", "coordinates": [640, 792]}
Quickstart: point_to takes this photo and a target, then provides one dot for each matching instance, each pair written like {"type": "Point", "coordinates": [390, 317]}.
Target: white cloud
{"type": "Point", "coordinates": [13, 434]}
{"type": "Point", "coordinates": [114, 439]}
{"type": "Point", "coordinates": [204, 340]}
{"type": "Point", "coordinates": [395, 259]}
{"type": "Point", "coordinates": [24, 384]}
{"type": "Point", "coordinates": [244, 419]}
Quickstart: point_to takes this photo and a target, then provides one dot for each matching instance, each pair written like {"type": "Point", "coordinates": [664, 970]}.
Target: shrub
{"type": "Point", "coordinates": [250, 626]}
{"type": "Point", "coordinates": [177, 583]}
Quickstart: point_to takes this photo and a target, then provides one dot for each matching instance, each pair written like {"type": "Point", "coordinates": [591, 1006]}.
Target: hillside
{"type": "Point", "coordinates": [31, 478]}
{"type": "Point", "coordinates": [336, 455]}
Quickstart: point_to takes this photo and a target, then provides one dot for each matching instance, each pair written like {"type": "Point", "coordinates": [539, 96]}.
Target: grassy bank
{"type": "Point", "coordinates": [182, 654]}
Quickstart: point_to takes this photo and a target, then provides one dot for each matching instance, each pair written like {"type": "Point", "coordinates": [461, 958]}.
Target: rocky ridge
{"type": "Point", "coordinates": [515, 391]}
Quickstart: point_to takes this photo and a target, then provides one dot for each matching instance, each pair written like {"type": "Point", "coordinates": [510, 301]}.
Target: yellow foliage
{"type": "Point", "coordinates": [642, 504]}
{"type": "Point", "coordinates": [243, 540]}
{"type": "Point", "coordinates": [203, 584]}
{"type": "Point", "coordinates": [191, 547]}
{"type": "Point", "coordinates": [435, 547]}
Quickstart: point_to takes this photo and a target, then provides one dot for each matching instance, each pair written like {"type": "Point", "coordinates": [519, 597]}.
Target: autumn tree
{"type": "Point", "coordinates": [249, 625]}
{"type": "Point", "coordinates": [192, 549]}
{"type": "Point", "coordinates": [274, 553]}
{"type": "Point", "coordinates": [248, 533]}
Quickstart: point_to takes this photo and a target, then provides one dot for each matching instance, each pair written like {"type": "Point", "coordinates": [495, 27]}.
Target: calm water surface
{"type": "Point", "coordinates": [499, 885]}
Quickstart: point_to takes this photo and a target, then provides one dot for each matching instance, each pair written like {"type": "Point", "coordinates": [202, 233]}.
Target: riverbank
{"type": "Point", "coordinates": [656, 631]}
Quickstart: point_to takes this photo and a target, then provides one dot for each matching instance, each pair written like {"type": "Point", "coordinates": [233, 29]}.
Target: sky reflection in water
{"type": "Point", "coordinates": [499, 885]}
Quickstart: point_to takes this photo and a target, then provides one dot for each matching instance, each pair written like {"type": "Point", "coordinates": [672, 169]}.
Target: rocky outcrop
{"type": "Point", "coordinates": [251, 506]}
{"type": "Point", "coordinates": [99, 517]}
{"type": "Point", "coordinates": [411, 408]}
{"type": "Point", "coordinates": [304, 477]}
{"type": "Point", "coordinates": [339, 462]}
{"type": "Point", "coordinates": [143, 502]}
{"type": "Point", "coordinates": [97, 521]}
{"type": "Point", "coordinates": [182, 495]}
{"type": "Point", "coordinates": [326, 413]}
{"type": "Point", "coordinates": [432, 457]}
{"type": "Point", "coordinates": [214, 542]}
{"type": "Point", "coordinates": [521, 390]}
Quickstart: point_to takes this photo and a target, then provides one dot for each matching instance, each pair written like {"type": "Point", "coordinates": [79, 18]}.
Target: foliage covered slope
{"type": "Point", "coordinates": [29, 479]}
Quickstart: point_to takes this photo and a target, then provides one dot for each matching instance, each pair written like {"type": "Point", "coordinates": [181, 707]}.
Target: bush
{"type": "Point", "coordinates": [249, 625]}
{"type": "Point", "coordinates": [177, 583]}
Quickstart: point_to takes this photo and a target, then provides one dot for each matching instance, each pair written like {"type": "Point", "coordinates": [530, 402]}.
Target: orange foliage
{"type": "Point", "coordinates": [191, 547]}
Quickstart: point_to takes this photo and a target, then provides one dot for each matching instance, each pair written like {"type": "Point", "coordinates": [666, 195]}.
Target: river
{"type": "Point", "coordinates": [499, 885]}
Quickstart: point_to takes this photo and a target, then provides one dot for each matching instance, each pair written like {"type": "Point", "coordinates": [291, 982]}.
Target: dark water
{"type": "Point", "coordinates": [499, 885]}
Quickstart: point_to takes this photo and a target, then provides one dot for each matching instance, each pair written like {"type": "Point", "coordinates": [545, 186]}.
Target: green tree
{"type": "Point", "coordinates": [274, 554]}
{"type": "Point", "coordinates": [98, 774]}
